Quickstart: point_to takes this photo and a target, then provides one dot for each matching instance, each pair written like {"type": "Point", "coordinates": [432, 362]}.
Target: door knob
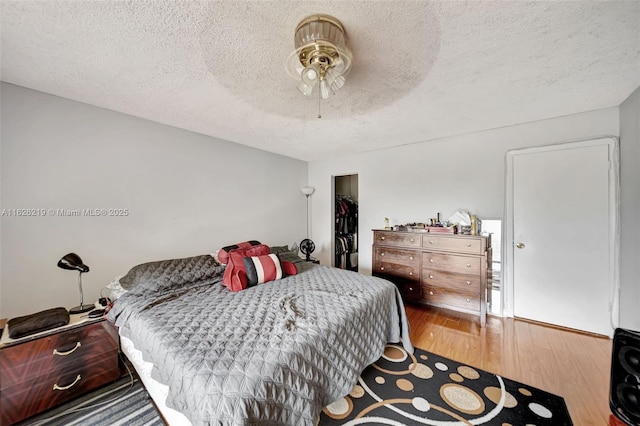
{"type": "Point", "coordinates": [520, 245]}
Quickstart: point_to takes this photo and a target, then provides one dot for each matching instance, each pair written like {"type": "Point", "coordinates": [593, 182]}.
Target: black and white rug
{"type": "Point", "coordinates": [424, 388]}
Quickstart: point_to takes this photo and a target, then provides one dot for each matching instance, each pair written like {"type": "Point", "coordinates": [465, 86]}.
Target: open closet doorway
{"type": "Point", "coordinates": [345, 235]}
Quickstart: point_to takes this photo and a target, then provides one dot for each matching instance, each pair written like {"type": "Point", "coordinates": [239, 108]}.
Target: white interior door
{"type": "Point", "coordinates": [562, 236]}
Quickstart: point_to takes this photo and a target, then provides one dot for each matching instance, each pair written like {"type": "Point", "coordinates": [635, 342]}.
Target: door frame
{"type": "Point", "coordinates": [507, 292]}
{"type": "Point", "coordinates": [333, 215]}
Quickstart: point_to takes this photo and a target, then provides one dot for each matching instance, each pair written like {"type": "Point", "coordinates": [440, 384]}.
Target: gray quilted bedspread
{"type": "Point", "coordinates": [272, 354]}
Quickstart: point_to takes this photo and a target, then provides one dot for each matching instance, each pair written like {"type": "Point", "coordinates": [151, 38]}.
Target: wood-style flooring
{"type": "Point", "coordinates": [573, 365]}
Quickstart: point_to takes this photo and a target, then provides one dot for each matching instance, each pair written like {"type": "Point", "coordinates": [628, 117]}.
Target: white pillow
{"type": "Point", "coordinates": [114, 289]}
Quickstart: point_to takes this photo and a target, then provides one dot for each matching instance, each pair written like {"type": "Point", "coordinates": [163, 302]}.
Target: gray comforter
{"type": "Point", "coordinates": [272, 354]}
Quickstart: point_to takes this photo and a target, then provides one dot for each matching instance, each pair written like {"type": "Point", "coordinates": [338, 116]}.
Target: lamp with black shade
{"type": "Point", "coordinates": [73, 262]}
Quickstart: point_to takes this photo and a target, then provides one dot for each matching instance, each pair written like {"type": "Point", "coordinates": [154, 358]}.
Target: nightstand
{"type": "Point", "coordinates": [41, 371]}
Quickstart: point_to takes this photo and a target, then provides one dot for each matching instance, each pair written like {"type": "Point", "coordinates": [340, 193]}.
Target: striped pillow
{"type": "Point", "coordinates": [262, 269]}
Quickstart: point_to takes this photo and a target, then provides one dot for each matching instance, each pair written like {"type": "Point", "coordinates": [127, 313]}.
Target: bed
{"type": "Point", "coordinates": [276, 353]}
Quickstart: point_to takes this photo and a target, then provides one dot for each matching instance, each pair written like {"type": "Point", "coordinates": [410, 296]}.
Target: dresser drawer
{"type": "Point", "coordinates": [447, 297]}
{"type": "Point", "coordinates": [390, 271]}
{"type": "Point", "coordinates": [461, 282]}
{"type": "Point", "coordinates": [394, 255]}
{"type": "Point", "coordinates": [452, 263]}
{"type": "Point", "coordinates": [399, 239]}
{"type": "Point", "coordinates": [410, 291]}
{"type": "Point", "coordinates": [456, 244]}
{"type": "Point", "coordinates": [56, 352]}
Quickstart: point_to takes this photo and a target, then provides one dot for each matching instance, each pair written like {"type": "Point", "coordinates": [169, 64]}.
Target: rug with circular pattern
{"type": "Point", "coordinates": [424, 388]}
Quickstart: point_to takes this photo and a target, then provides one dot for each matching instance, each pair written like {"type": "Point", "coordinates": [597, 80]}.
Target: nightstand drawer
{"type": "Point", "coordinates": [85, 363]}
{"type": "Point", "coordinates": [37, 374]}
{"type": "Point", "coordinates": [22, 401]}
{"type": "Point", "coordinates": [452, 263]}
{"type": "Point", "coordinates": [56, 352]}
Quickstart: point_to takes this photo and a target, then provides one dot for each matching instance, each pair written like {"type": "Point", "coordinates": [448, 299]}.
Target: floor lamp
{"type": "Point", "coordinates": [307, 191]}
{"type": "Point", "coordinates": [307, 246]}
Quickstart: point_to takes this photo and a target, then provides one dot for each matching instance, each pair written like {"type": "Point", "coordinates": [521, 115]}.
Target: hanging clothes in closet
{"type": "Point", "coordinates": [346, 256]}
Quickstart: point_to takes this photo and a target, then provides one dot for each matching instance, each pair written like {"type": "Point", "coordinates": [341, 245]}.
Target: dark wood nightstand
{"type": "Point", "coordinates": [39, 372]}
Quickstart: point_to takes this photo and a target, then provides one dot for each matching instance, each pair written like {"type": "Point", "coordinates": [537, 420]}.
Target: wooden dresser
{"type": "Point", "coordinates": [39, 373]}
{"type": "Point", "coordinates": [448, 270]}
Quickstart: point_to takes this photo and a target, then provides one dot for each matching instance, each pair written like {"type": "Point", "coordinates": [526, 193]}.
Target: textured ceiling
{"type": "Point", "coordinates": [422, 69]}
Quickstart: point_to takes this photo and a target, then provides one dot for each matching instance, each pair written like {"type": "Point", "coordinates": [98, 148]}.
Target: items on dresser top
{"type": "Point", "coordinates": [74, 321]}
{"type": "Point", "coordinates": [40, 371]}
{"type": "Point", "coordinates": [35, 323]}
{"type": "Point", "coordinates": [448, 270]}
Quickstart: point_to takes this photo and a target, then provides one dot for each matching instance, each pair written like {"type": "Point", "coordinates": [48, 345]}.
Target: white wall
{"type": "Point", "coordinates": [187, 194]}
{"type": "Point", "coordinates": [414, 182]}
{"type": "Point", "coordinates": [177, 185]}
{"type": "Point", "coordinates": [630, 212]}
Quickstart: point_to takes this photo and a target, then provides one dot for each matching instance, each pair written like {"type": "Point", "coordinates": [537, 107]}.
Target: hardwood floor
{"type": "Point", "coordinates": [573, 365]}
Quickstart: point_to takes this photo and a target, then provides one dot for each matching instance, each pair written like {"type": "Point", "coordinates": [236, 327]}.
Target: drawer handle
{"type": "Point", "coordinates": [56, 387]}
{"type": "Point", "coordinates": [468, 265]}
{"type": "Point", "coordinates": [411, 240]}
{"type": "Point", "coordinates": [410, 288]}
{"type": "Point", "coordinates": [430, 260]}
{"type": "Point", "coordinates": [430, 241]}
{"type": "Point", "coordinates": [468, 300]}
{"type": "Point", "coordinates": [69, 352]}
{"type": "Point", "coordinates": [382, 238]}
{"type": "Point", "coordinates": [468, 282]}
{"type": "Point", "coordinates": [382, 268]}
{"type": "Point", "coordinates": [468, 244]}
{"type": "Point", "coordinates": [410, 257]}
{"type": "Point", "coordinates": [381, 254]}
{"type": "Point", "coordinates": [430, 276]}
{"type": "Point", "coordinates": [430, 293]}
{"type": "Point", "coordinates": [410, 274]}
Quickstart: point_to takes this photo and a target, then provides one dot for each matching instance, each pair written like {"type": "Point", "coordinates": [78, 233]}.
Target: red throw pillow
{"type": "Point", "coordinates": [259, 250]}
{"type": "Point", "coordinates": [223, 253]}
{"type": "Point", "coordinates": [289, 268]}
{"type": "Point", "coordinates": [235, 274]}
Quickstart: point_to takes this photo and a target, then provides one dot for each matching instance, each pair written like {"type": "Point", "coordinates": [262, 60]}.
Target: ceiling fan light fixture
{"type": "Point", "coordinates": [325, 91]}
{"type": "Point", "coordinates": [310, 75]}
{"type": "Point", "coordinates": [321, 56]}
{"type": "Point", "coordinates": [306, 90]}
{"type": "Point", "coordinates": [335, 80]}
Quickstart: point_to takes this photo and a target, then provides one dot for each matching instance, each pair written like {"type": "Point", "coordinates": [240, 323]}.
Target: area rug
{"type": "Point", "coordinates": [424, 388]}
